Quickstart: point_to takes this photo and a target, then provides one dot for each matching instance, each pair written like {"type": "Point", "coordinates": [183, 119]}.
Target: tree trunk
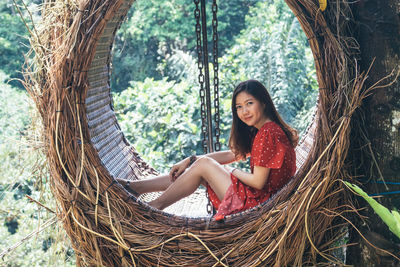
{"type": "Point", "coordinates": [378, 155]}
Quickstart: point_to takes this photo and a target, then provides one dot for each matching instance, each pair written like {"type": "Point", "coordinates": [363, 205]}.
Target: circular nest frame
{"type": "Point", "coordinates": [108, 226]}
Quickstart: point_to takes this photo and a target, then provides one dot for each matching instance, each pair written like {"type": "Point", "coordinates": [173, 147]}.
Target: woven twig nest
{"type": "Point", "coordinates": [86, 150]}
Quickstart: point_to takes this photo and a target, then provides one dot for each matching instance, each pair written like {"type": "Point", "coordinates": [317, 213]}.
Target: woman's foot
{"type": "Point", "coordinates": [127, 184]}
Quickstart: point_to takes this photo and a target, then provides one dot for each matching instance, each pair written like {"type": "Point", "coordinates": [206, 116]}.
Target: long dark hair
{"type": "Point", "coordinates": [241, 134]}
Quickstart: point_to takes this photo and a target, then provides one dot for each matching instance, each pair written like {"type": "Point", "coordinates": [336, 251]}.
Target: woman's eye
{"type": "Point", "coordinates": [238, 107]}
{"type": "Point", "coordinates": [249, 103]}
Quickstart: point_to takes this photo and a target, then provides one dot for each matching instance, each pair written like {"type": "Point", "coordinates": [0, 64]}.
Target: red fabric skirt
{"type": "Point", "coordinates": [238, 197]}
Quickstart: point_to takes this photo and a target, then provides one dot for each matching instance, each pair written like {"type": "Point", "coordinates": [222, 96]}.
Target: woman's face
{"type": "Point", "coordinates": [250, 110]}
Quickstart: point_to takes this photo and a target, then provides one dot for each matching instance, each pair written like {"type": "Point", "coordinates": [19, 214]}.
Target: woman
{"type": "Point", "coordinates": [257, 131]}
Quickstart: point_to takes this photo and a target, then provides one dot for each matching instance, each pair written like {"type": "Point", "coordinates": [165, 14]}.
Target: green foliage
{"type": "Point", "coordinates": [274, 49]}
{"type": "Point", "coordinates": [161, 119]}
{"type": "Point", "coordinates": [155, 28]}
{"type": "Point", "coordinates": [13, 35]}
{"type": "Point", "coordinates": [13, 119]}
{"type": "Point", "coordinates": [184, 67]}
{"type": "Point", "coordinates": [22, 173]}
{"type": "Point", "coordinates": [390, 218]}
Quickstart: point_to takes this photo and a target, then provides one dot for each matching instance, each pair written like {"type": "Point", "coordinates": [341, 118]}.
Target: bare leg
{"type": "Point", "coordinates": [154, 184]}
{"type": "Point", "coordinates": [204, 169]}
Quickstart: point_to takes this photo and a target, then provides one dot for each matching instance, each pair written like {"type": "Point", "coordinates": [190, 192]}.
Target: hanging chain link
{"type": "Point", "coordinates": [201, 76]}
{"type": "Point", "coordinates": [200, 63]}
{"type": "Point", "coordinates": [216, 79]}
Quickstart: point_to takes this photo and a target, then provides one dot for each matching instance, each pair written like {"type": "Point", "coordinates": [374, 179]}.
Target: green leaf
{"type": "Point", "coordinates": [391, 219]}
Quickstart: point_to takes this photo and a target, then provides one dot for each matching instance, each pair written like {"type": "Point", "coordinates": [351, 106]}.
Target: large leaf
{"type": "Point", "coordinates": [391, 219]}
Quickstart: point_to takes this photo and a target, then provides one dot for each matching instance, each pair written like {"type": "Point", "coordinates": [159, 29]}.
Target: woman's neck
{"type": "Point", "coordinates": [261, 124]}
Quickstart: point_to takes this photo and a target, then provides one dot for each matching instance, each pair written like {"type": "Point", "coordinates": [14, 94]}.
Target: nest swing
{"type": "Point", "coordinates": [86, 150]}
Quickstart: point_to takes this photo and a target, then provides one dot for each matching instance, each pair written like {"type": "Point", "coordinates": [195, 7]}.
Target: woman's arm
{"type": "Point", "coordinates": [256, 179]}
{"type": "Point", "coordinates": [222, 157]}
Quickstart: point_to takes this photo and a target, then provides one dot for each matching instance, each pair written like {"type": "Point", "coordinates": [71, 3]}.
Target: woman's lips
{"type": "Point", "coordinates": [247, 119]}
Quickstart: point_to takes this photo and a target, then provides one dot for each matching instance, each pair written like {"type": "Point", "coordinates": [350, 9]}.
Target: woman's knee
{"type": "Point", "coordinates": [205, 167]}
{"type": "Point", "coordinates": [201, 165]}
{"type": "Point", "coordinates": [204, 162]}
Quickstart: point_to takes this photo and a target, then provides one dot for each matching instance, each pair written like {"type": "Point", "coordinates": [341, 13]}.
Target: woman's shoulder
{"type": "Point", "coordinates": [271, 128]}
{"type": "Point", "coordinates": [273, 132]}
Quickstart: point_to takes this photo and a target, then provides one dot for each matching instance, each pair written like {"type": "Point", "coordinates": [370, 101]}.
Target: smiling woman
{"type": "Point", "coordinates": [87, 151]}
{"type": "Point", "coordinates": [257, 131]}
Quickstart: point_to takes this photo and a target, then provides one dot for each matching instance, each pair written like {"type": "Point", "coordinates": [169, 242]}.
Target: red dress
{"type": "Point", "coordinates": [271, 149]}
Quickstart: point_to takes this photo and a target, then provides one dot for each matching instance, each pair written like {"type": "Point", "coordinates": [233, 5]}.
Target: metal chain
{"type": "Point", "coordinates": [216, 79]}
{"type": "Point", "coordinates": [201, 77]}
{"type": "Point", "coordinates": [200, 64]}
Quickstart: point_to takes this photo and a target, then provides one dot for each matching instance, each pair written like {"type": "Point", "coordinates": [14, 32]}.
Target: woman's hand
{"type": "Point", "coordinates": [178, 169]}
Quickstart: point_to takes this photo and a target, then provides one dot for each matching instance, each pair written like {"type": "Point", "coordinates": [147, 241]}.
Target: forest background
{"type": "Point", "coordinates": [156, 99]}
